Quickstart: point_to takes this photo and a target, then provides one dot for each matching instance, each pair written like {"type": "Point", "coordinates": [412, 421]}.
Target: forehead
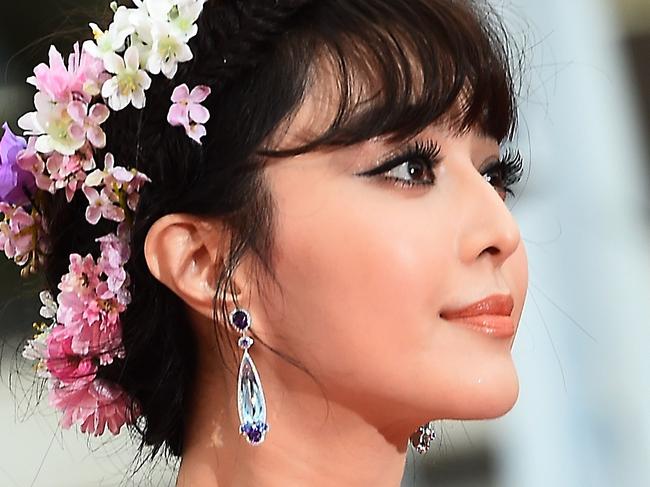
{"type": "Point", "coordinates": [321, 105]}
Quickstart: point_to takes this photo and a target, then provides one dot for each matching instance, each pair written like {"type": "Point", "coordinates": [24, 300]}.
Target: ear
{"type": "Point", "coordinates": [186, 253]}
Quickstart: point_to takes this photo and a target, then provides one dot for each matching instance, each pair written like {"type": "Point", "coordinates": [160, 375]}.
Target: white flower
{"type": "Point", "coordinates": [157, 9]}
{"type": "Point", "coordinates": [48, 310]}
{"type": "Point", "coordinates": [168, 49]}
{"type": "Point", "coordinates": [36, 350]}
{"type": "Point", "coordinates": [52, 124]}
{"type": "Point", "coordinates": [129, 83]}
{"type": "Point", "coordinates": [183, 18]}
{"type": "Point", "coordinates": [112, 40]}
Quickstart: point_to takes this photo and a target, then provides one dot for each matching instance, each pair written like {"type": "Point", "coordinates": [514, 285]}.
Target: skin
{"type": "Point", "coordinates": [365, 269]}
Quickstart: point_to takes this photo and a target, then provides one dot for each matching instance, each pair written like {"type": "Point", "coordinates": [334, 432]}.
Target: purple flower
{"type": "Point", "coordinates": [15, 183]}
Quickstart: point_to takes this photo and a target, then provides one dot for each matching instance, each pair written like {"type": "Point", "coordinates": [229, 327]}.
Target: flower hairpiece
{"type": "Point", "coordinates": [82, 331]}
{"type": "Point", "coordinates": [187, 110]}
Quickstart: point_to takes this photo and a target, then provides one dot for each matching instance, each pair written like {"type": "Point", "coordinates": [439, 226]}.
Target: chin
{"type": "Point", "coordinates": [488, 396]}
{"type": "Point", "coordinates": [493, 400]}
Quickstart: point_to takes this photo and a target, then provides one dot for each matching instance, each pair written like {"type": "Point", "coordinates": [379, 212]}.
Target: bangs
{"type": "Point", "coordinates": [394, 68]}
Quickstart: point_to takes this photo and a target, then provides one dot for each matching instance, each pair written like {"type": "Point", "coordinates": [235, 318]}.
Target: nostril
{"type": "Point", "coordinates": [492, 250]}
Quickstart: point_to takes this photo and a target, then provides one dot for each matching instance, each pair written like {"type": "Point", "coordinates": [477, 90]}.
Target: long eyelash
{"type": "Point", "coordinates": [511, 168]}
{"type": "Point", "coordinates": [427, 152]}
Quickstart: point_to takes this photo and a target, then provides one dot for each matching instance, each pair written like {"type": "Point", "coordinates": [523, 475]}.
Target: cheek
{"type": "Point", "coordinates": [360, 277]}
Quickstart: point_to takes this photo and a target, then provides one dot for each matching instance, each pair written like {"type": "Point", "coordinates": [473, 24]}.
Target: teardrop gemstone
{"type": "Point", "coordinates": [250, 401]}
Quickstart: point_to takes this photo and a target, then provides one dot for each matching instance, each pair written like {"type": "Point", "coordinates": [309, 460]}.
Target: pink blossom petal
{"type": "Point", "coordinates": [76, 132]}
{"type": "Point", "coordinates": [99, 113]}
{"type": "Point", "coordinates": [56, 60]}
{"type": "Point", "coordinates": [181, 93]}
{"type": "Point", "coordinates": [122, 175]}
{"type": "Point", "coordinates": [178, 115]}
{"type": "Point", "coordinates": [199, 113]}
{"type": "Point", "coordinates": [45, 183]}
{"type": "Point", "coordinates": [91, 193]}
{"type": "Point", "coordinates": [199, 93]}
{"type": "Point", "coordinates": [30, 160]}
{"type": "Point", "coordinates": [77, 111]}
{"type": "Point", "coordinates": [97, 137]}
{"type": "Point", "coordinates": [95, 406]}
{"type": "Point", "coordinates": [93, 214]}
{"type": "Point", "coordinates": [114, 213]}
{"type": "Point", "coordinates": [196, 132]}
{"type": "Point", "coordinates": [132, 201]}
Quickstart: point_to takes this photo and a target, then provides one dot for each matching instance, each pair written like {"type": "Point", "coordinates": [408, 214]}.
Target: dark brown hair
{"type": "Point", "coordinates": [397, 66]}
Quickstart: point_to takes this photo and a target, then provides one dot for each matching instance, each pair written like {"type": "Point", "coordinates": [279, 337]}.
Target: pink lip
{"type": "Point", "coordinates": [490, 316]}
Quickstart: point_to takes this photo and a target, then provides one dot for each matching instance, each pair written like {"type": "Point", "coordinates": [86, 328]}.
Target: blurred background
{"type": "Point", "coordinates": [583, 348]}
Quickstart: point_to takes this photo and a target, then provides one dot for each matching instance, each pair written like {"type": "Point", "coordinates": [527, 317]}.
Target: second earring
{"type": "Point", "coordinates": [251, 404]}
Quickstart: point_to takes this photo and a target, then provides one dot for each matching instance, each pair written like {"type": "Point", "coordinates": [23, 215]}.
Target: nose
{"type": "Point", "coordinates": [489, 230]}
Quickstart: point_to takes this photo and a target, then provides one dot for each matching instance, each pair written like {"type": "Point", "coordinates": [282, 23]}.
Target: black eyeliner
{"type": "Point", "coordinates": [429, 150]}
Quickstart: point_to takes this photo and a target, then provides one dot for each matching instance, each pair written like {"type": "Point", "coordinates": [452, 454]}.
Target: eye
{"type": "Point", "coordinates": [416, 171]}
{"type": "Point", "coordinates": [412, 166]}
{"type": "Point", "coordinates": [505, 173]}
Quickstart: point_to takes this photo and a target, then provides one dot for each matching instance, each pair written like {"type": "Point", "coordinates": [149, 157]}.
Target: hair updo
{"type": "Point", "coordinates": [414, 60]}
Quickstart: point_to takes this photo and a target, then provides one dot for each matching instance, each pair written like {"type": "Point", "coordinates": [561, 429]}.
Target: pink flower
{"type": "Point", "coordinates": [133, 189]}
{"type": "Point", "coordinates": [94, 406]}
{"type": "Point", "coordinates": [81, 280]}
{"type": "Point", "coordinates": [93, 324]}
{"type": "Point", "coordinates": [63, 363]}
{"type": "Point", "coordinates": [63, 121]}
{"type": "Point", "coordinates": [30, 160]}
{"type": "Point", "coordinates": [111, 175]}
{"type": "Point", "coordinates": [90, 310]}
{"type": "Point", "coordinates": [90, 121]}
{"type": "Point", "coordinates": [83, 76]}
{"type": "Point", "coordinates": [58, 171]}
{"type": "Point", "coordinates": [66, 172]}
{"type": "Point", "coordinates": [17, 233]}
{"type": "Point", "coordinates": [188, 112]}
{"type": "Point", "coordinates": [117, 182]}
{"type": "Point", "coordinates": [102, 205]}
{"type": "Point", "coordinates": [115, 253]}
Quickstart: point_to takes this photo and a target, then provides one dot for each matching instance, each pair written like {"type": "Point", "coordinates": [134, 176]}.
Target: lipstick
{"type": "Point", "coordinates": [490, 316]}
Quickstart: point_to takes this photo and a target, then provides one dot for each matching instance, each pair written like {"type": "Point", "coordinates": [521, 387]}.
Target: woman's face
{"type": "Point", "coordinates": [366, 268]}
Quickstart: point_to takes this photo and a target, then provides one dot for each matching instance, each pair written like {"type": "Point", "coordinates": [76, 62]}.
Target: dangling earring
{"type": "Point", "coordinates": [250, 396]}
{"type": "Point", "coordinates": [421, 439]}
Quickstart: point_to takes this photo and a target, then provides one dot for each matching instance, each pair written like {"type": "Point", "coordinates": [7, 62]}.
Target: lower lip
{"type": "Point", "coordinates": [497, 326]}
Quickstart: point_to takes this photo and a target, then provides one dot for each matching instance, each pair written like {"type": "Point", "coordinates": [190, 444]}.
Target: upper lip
{"type": "Point", "coordinates": [496, 304]}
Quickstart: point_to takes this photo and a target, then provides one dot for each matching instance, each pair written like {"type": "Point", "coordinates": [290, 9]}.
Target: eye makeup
{"type": "Point", "coordinates": [405, 168]}
{"type": "Point", "coordinates": [418, 157]}
{"type": "Point", "coordinates": [505, 172]}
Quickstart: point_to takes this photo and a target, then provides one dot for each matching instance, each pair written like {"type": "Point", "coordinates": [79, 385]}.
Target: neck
{"type": "Point", "coordinates": [311, 440]}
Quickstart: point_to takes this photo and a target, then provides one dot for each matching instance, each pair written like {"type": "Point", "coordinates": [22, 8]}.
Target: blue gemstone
{"type": "Point", "coordinates": [254, 431]}
{"type": "Point", "coordinates": [240, 320]}
{"type": "Point", "coordinates": [245, 342]}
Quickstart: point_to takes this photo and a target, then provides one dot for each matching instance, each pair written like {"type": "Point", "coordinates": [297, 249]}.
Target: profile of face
{"type": "Point", "coordinates": [372, 243]}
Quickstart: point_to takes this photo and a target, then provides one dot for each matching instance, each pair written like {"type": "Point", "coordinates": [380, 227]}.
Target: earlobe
{"type": "Point", "coordinates": [182, 253]}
